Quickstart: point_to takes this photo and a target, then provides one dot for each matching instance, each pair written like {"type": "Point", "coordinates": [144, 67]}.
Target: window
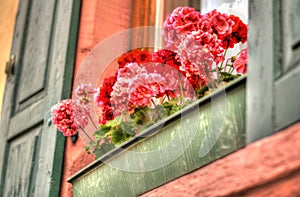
{"type": "Point", "coordinates": [230, 140]}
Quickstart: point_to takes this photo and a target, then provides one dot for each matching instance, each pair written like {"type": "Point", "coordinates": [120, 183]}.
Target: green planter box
{"type": "Point", "coordinates": [201, 133]}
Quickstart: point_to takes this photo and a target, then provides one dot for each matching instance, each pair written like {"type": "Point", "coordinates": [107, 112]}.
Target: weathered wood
{"type": "Point", "coordinates": [260, 82]}
{"type": "Point", "coordinates": [19, 175]}
{"type": "Point", "coordinates": [287, 99]}
{"type": "Point", "coordinates": [61, 73]}
{"type": "Point", "coordinates": [172, 152]}
{"type": "Point", "coordinates": [273, 74]}
{"type": "Point", "coordinates": [27, 121]}
{"type": "Point", "coordinates": [286, 87]}
{"type": "Point", "coordinates": [36, 49]}
{"type": "Point", "coordinates": [291, 35]}
{"type": "Point", "coordinates": [44, 43]}
{"type": "Point", "coordinates": [277, 38]}
{"type": "Point", "coordinates": [9, 90]}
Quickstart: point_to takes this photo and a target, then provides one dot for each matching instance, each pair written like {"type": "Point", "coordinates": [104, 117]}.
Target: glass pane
{"type": "Point", "coordinates": [236, 7]}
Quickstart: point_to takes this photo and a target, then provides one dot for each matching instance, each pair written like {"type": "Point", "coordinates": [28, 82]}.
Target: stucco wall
{"type": "Point", "coordinates": [7, 21]}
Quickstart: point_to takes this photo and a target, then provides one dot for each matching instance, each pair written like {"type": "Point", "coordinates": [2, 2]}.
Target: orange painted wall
{"type": "Point", "coordinates": [99, 19]}
{"type": "Point", "coordinates": [7, 22]}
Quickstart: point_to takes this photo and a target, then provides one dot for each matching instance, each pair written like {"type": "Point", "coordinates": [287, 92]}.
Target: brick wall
{"type": "Point", "coordinates": [269, 167]}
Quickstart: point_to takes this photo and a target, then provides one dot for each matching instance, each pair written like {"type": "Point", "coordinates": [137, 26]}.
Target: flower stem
{"type": "Point", "coordinates": [92, 121]}
{"type": "Point", "coordinates": [168, 96]}
{"type": "Point", "coordinates": [239, 53]}
{"type": "Point", "coordinates": [226, 64]}
{"type": "Point", "coordinates": [156, 108]}
{"type": "Point", "coordinates": [86, 133]}
{"type": "Point", "coordinates": [200, 83]}
{"type": "Point", "coordinates": [231, 70]}
{"type": "Point", "coordinates": [181, 88]}
{"type": "Point", "coordinates": [209, 78]}
{"type": "Point", "coordinates": [221, 67]}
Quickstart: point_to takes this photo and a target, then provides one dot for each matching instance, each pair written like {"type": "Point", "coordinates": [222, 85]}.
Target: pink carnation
{"type": "Point", "coordinates": [83, 92]}
{"type": "Point", "coordinates": [120, 93]}
{"type": "Point", "coordinates": [81, 113]}
{"type": "Point", "coordinates": [172, 77]}
{"type": "Point", "coordinates": [135, 86]}
{"type": "Point", "coordinates": [178, 23]}
{"type": "Point", "coordinates": [84, 89]}
{"type": "Point", "coordinates": [145, 86]}
{"type": "Point", "coordinates": [197, 57]}
{"type": "Point", "coordinates": [241, 62]}
{"type": "Point", "coordinates": [168, 70]}
{"type": "Point", "coordinates": [221, 24]}
{"type": "Point", "coordinates": [193, 79]}
{"type": "Point", "coordinates": [183, 19]}
{"type": "Point", "coordinates": [207, 43]}
{"type": "Point", "coordinates": [172, 38]}
{"type": "Point", "coordinates": [69, 115]}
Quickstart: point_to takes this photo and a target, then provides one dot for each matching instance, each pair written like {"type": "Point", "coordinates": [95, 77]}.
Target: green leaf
{"type": "Point", "coordinates": [127, 128]}
{"type": "Point", "coordinates": [98, 153]}
{"type": "Point", "coordinates": [100, 132]}
{"type": "Point", "coordinates": [106, 147]}
{"type": "Point", "coordinates": [200, 93]}
{"type": "Point", "coordinates": [105, 128]}
{"type": "Point", "coordinates": [103, 148]}
{"type": "Point", "coordinates": [90, 146]}
{"type": "Point", "coordinates": [141, 116]}
{"type": "Point", "coordinates": [118, 136]}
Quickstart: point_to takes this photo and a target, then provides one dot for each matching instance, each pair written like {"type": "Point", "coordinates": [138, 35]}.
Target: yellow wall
{"type": "Point", "coordinates": [8, 10]}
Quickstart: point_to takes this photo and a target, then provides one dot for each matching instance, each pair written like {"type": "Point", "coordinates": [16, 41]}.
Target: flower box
{"type": "Point", "coordinates": [210, 128]}
{"type": "Point", "coordinates": [162, 113]}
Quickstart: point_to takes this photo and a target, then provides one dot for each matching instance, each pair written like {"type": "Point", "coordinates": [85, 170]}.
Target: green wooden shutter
{"type": "Point", "coordinates": [273, 93]}
{"type": "Point", "coordinates": [31, 150]}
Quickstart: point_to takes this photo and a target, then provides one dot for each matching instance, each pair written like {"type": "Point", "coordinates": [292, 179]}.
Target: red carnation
{"type": "Point", "coordinates": [239, 29]}
{"type": "Point", "coordinates": [102, 98]}
{"type": "Point", "coordinates": [134, 56]}
{"type": "Point", "coordinates": [167, 57]}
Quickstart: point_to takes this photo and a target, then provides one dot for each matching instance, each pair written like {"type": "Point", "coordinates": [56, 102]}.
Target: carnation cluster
{"type": "Point", "coordinates": [202, 39]}
{"type": "Point", "coordinates": [149, 86]}
{"type": "Point", "coordinates": [69, 116]}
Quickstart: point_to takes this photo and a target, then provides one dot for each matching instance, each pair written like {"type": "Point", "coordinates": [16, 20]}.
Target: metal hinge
{"type": "Point", "coordinates": [9, 69]}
